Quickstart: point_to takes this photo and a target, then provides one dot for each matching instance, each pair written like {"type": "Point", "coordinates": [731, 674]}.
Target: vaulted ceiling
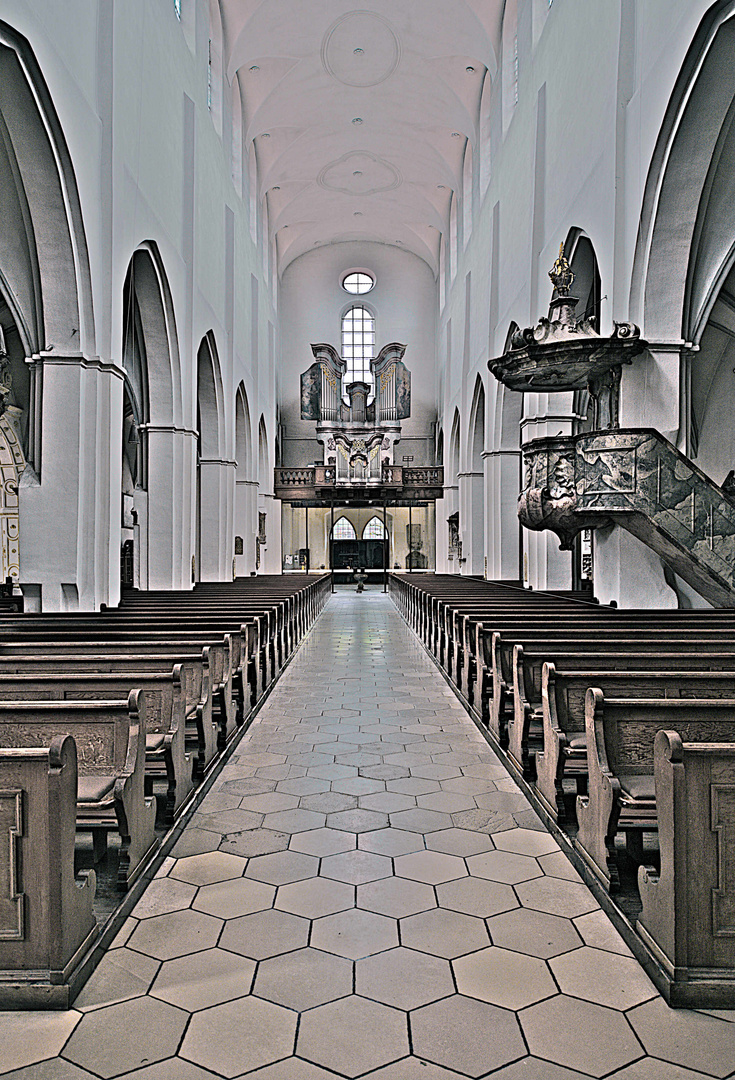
{"type": "Point", "coordinates": [360, 118]}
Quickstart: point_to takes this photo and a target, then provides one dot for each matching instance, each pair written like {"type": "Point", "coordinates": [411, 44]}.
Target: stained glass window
{"type": "Point", "coordinates": [344, 530]}
{"type": "Point", "coordinates": [374, 530]}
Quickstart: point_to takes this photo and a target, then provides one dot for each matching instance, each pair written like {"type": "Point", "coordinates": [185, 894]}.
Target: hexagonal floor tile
{"type": "Point", "coordinates": [556, 896]}
{"type": "Point", "coordinates": [292, 1068]}
{"type": "Point", "coordinates": [533, 932]}
{"type": "Point", "coordinates": [269, 803]}
{"type": "Point", "coordinates": [120, 974]}
{"type": "Point", "coordinates": [603, 977]}
{"type": "Point", "coordinates": [354, 933]}
{"type": "Point", "coordinates": [356, 867]}
{"type": "Point", "coordinates": [216, 976]}
{"type": "Point", "coordinates": [358, 785]}
{"type": "Point", "coordinates": [413, 785]}
{"type": "Point", "coordinates": [527, 842]}
{"type": "Point", "coordinates": [352, 1035]}
{"type": "Point", "coordinates": [291, 821]}
{"type": "Point", "coordinates": [302, 979]}
{"type": "Point", "coordinates": [176, 934]}
{"type": "Point", "coordinates": [357, 821]}
{"type": "Point", "coordinates": [476, 896]}
{"type": "Point", "coordinates": [282, 867]}
{"type": "Point", "coordinates": [468, 785]}
{"type": "Point", "coordinates": [239, 1036]}
{"type": "Point", "coordinates": [580, 1035]}
{"type": "Point", "coordinates": [230, 899]}
{"type": "Point", "coordinates": [444, 933]}
{"type": "Point", "coordinates": [120, 1038]}
{"type": "Point", "coordinates": [430, 866]}
{"type": "Point", "coordinates": [446, 802]}
{"type": "Point", "coordinates": [403, 978]}
{"type": "Point", "coordinates": [685, 1038]}
{"type": "Point", "coordinates": [391, 842]}
{"type": "Point", "coordinates": [487, 821]}
{"type": "Point", "coordinates": [395, 897]}
{"type": "Point", "coordinates": [490, 1037]}
{"type": "Point", "coordinates": [504, 866]}
{"type": "Point", "coordinates": [556, 864]}
{"type": "Point", "coordinates": [596, 930]}
{"type": "Point", "coordinates": [266, 933]}
{"type": "Point", "coordinates": [460, 842]}
{"type": "Point", "coordinates": [315, 897]}
{"type": "Point", "coordinates": [163, 895]}
{"type": "Point", "coordinates": [320, 842]}
{"type": "Point", "coordinates": [504, 978]}
{"type": "Point", "coordinates": [413, 1068]}
{"type": "Point", "coordinates": [423, 821]}
{"type": "Point", "coordinates": [303, 785]}
{"type": "Point", "coordinates": [208, 867]}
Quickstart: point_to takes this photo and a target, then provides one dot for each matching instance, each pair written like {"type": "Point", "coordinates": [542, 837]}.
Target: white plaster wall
{"type": "Point", "coordinates": [130, 93]}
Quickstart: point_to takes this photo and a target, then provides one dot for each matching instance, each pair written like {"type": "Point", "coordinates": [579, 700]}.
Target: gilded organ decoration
{"type": "Point", "coordinates": [358, 434]}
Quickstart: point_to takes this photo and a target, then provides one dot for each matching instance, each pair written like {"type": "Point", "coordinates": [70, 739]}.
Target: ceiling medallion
{"type": "Point", "coordinates": [364, 35]}
{"type": "Point", "coordinates": [375, 175]}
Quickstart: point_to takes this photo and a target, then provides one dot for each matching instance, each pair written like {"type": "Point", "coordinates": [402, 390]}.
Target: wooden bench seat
{"type": "Point", "coordinates": [48, 921]}
{"type": "Point", "coordinates": [166, 757]}
{"type": "Point", "coordinates": [620, 734]}
{"type": "Point", "coordinates": [559, 742]}
{"type": "Point", "coordinates": [110, 740]}
{"type": "Point", "coordinates": [686, 919]}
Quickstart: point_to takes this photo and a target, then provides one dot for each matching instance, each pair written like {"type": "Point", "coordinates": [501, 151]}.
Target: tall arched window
{"type": "Point", "coordinates": [358, 344]}
{"type": "Point", "coordinates": [344, 530]}
{"type": "Point", "coordinates": [374, 530]}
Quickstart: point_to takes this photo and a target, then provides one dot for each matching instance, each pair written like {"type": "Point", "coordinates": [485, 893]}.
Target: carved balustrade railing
{"type": "Point", "coordinates": [432, 476]}
{"type": "Point", "coordinates": [637, 479]}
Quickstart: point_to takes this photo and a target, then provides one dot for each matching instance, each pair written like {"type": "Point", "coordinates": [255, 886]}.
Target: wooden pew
{"type": "Point", "coordinates": [561, 749]}
{"type": "Point", "coordinates": [166, 757]}
{"type": "Point", "coordinates": [47, 920]}
{"type": "Point", "coordinates": [202, 730]}
{"type": "Point", "coordinates": [621, 792]}
{"type": "Point", "coordinates": [110, 740]}
{"type": "Point", "coordinates": [687, 916]}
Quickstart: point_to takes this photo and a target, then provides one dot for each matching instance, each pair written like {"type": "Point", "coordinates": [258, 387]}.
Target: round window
{"type": "Point", "coordinates": [358, 282]}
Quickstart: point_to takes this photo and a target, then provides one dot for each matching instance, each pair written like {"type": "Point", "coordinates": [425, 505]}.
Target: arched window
{"type": "Point", "coordinates": [358, 344]}
{"type": "Point", "coordinates": [344, 530]}
{"type": "Point", "coordinates": [374, 530]}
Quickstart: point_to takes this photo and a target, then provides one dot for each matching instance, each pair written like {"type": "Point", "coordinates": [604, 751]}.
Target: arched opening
{"type": "Point", "coordinates": [474, 494]}
{"type": "Point", "coordinates": [236, 146]}
{"type": "Point", "coordinates": [45, 316]}
{"type": "Point", "coordinates": [213, 535]}
{"type": "Point", "coordinates": [451, 488]}
{"type": "Point", "coordinates": [245, 488]}
{"type": "Point", "coordinates": [154, 541]}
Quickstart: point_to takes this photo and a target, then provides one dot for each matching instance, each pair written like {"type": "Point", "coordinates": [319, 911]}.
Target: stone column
{"type": "Point", "coordinates": [502, 528]}
{"type": "Point", "coordinates": [246, 525]}
{"type": "Point", "coordinates": [70, 515]}
{"type": "Point", "coordinates": [216, 516]}
{"type": "Point", "coordinates": [171, 534]}
{"type": "Point", "coordinates": [471, 521]}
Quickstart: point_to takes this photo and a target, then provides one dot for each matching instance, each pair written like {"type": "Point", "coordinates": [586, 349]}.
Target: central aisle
{"type": "Point", "coordinates": [364, 887]}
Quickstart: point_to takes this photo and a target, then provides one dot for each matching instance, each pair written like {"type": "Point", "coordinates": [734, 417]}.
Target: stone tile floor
{"type": "Point", "coordinates": [365, 893]}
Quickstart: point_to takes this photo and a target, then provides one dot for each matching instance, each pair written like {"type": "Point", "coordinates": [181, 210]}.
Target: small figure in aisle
{"type": "Point", "coordinates": [360, 578]}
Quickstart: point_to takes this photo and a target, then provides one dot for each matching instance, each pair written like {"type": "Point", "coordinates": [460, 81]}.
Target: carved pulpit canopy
{"type": "Point", "coordinates": [564, 352]}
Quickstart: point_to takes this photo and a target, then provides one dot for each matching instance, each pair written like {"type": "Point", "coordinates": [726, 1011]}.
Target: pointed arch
{"type": "Point", "coordinates": [476, 445]}
{"type": "Point", "coordinates": [343, 529]}
{"type": "Point", "coordinates": [677, 260]}
{"type": "Point", "coordinates": [210, 399]}
{"type": "Point", "coordinates": [48, 273]}
{"type": "Point", "coordinates": [375, 529]}
{"type": "Point", "coordinates": [263, 455]}
{"type": "Point", "coordinates": [454, 448]}
{"type": "Point", "coordinates": [243, 435]}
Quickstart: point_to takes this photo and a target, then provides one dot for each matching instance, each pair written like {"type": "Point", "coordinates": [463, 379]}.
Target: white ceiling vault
{"type": "Point", "coordinates": [360, 117]}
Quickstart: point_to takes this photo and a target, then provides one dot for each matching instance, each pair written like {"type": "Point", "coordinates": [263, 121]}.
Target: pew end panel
{"type": "Point", "coordinates": [46, 919]}
{"type": "Point", "coordinates": [688, 916]}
